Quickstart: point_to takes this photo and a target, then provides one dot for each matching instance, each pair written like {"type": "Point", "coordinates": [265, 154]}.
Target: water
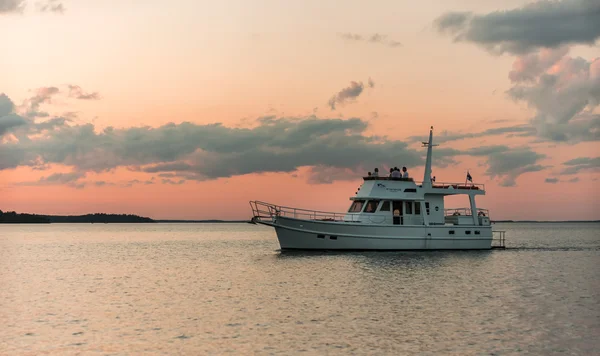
{"type": "Point", "coordinates": [225, 288]}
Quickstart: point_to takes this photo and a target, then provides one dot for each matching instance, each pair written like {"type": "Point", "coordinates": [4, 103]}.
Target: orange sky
{"type": "Point", "coordinates": [152, 63]}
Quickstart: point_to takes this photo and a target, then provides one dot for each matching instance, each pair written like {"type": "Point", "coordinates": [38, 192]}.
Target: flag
{"type": "Point", "coordinates": [469, 178]}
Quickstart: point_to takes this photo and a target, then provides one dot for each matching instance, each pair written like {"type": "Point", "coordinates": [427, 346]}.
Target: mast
{"type": "Point", "coordinates": [429, 145]}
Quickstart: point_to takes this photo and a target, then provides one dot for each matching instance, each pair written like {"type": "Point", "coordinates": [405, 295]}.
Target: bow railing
{"type": "Point", "coordinates": [262, 210]}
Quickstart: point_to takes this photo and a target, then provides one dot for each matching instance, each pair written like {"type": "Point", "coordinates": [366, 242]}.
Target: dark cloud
{"type": "Point", "coordinates": [8, 6]}
{"type": "Point", "coordinates": [25, 117]}
{"type": "Point", "coordinates": [70, 179]}
{"type": "Point", "coordinates": [577, 165]}
{"type": "Point", "coordinates": [332, 149]}
{"type": "Point", "coordinates": [542, 24]}
{"type": "Point", "coordinates": [508, 164]}
{"type": "Point", "coordinates": [551, 180]}
{"type": "Point", "coordinates": [446, 136]}
{"type": "Point", "coordinates": [374, 38]}
{"type": "Point", "coordinates": [349, 93]}
{"type": "Point", "coordinates": [563, 90]}
{"type": "Point", "coordinates": [168, 167]}
{"type": "Point", "coordinates": [9, 120]}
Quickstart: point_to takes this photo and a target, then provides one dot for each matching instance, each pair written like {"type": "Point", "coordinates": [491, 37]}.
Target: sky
{"type": "Point", "coordinates": [190, 109]}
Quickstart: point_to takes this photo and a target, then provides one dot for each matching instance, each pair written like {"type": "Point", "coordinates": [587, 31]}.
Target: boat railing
{"type": "Point", "coordinates": [448, 185]}
{"type": "Point", "coordinates": [437, 185]}
{"type": "Point", "coordinates": [499, 239]}
{"type": "Point", "coordinates": [262, 210]}
{"type": "Point", "coordinates": [465, 211]}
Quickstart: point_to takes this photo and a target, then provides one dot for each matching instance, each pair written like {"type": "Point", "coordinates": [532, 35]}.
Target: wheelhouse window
{"type": "Point", "coordinates": [385, 206]}
{"type": "Point", "coordinates": [417, 208]}
{"type": "Point", "coordinates": [408, 207]}
{"type": "Point", "coordinates": [371, 206]}
{"type": "Point", "coordinates": [356, 206]}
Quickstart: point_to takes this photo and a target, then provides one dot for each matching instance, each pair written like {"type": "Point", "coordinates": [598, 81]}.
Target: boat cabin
{"type": "Point", "coordinates": [402, 201]}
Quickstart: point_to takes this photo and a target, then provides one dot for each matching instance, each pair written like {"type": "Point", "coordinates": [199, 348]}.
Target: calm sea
{"type": "Point", "coordinates": [200, 289]}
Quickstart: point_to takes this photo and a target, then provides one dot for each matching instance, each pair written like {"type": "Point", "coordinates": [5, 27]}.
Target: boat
{"type": "Point", "coordinates": [388, 213]}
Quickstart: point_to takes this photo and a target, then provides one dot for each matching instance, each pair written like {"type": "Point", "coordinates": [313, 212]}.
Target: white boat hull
{"type": "Point", "coordinates": [318, 235]}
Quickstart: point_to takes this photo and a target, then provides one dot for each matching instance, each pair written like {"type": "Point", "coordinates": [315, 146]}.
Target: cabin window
{"type": "Point", "coordinates": [371, 206]}
{"type": "Point", "coordinates": [427, 207]}
{"type": "Point", "coordinates": [385, 206]}
{"type": "Point", "coordinates": [409, 207]}
{"type": "Point", "coordinates": [356, 206]}
{"type": "Point", "coordinates": [417, 208]}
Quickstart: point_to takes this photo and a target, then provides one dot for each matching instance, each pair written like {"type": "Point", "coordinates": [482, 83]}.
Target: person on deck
{"type": "Point", "coordinates": [405, 174]}
{"type": "Point", "coordinates": [375, 172]}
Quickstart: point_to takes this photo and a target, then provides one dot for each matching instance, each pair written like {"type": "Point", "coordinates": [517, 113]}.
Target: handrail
{"type": "Point", "coordinates": [263, 210]}
{"type": "Point", "coordinates": [388, 178]}
{"type": "Point", "coordinates": [465, 211]}
{"type": "Point", "coordinates": [501, 240]}
{"type": "Point", "coordinates": [446, 185]}
{"type": "Point", "coordinates": [437, 185]}
{"type": "Point", "coordinates": [267, 210]}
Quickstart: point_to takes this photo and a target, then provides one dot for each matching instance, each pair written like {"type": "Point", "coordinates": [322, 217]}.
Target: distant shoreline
{"type": "Point", "coordinates": [12, 217]}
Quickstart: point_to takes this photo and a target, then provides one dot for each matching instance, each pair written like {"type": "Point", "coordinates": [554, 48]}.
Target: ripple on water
{"type": "Point", "coordinates": [219, 288]}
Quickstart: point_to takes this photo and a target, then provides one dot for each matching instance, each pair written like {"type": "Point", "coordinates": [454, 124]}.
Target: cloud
{"type": "Point", "coordinates": [11, 6]}
{"type": "Point", "coordinates": [332, 149]}
{"type": "Point", "coordinates": [551, 180]}
{"type": "Point", "coordinates": [349, 93]}
{"type": "Point", "coordinates": [509, 164]}
{"type": "Point", "coordinates": [167, 167]}
{"type": "Point", "coordinates": [17, 6]}
{"type": "Point", "coordinates": [169, 181]}
{"type": "Point", "coordinates": [75, 91]}
{"type": "Point", "coordinates": [577, 165]}
{"type": "Point", "coordinates": [563, 90]}
{"type": "Point", "coordinates": [446, 136]}
{"type": "Point", "coordinates": [70, 179]}
{"type": "Point", "coordinates": [542, 24]}
{"type": "Point", "coordinates": [322, 174]}
{"type": "Point", "coordinates": [51, 6]}
{"type": "Point", "coordinates": [374, 38]}
{"type": "Point", "coordinates": [44, 95]}
{"type": "Point", "coordinates": [8, 119]}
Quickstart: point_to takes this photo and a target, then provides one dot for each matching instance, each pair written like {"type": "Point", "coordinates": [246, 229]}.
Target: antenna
{"type": "Point", "coordinates": [427, 143]}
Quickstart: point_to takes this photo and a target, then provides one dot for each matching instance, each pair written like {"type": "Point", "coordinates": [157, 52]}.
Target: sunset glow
{"type": "Point", "coordinates": [188, 110]}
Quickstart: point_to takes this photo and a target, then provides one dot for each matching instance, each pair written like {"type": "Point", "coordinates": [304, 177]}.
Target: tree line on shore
{"type": "Point", "coordinates": [12, 217]}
